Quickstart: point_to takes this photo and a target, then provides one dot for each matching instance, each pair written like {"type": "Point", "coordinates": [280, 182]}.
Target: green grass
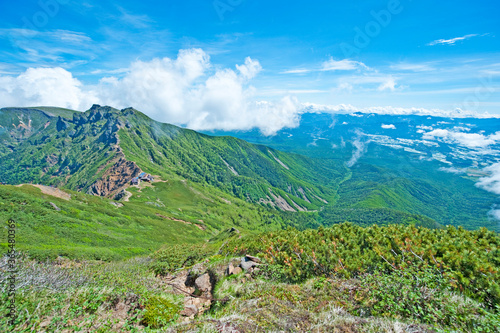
{"type": "Point", "coordinates": [87, 226]}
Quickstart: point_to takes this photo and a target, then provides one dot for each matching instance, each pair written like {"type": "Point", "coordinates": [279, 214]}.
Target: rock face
{"type": "Point", "coordinates": [120, 195]}
{"type": "Point", "coordinates": [61, 125]}
{"type": "Point", "coordinates": [115, 178]}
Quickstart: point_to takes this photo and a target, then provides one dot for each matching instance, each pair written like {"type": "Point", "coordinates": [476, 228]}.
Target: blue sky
{"type": "Point", "coordinates": [386, 54]}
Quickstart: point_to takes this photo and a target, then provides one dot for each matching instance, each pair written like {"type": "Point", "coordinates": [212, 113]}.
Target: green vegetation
{"type": "Point", "coordinates": [468, 260]}
{"type": "Point", "coordinates": [160, 311]}
{"type": "Point", "coordinates": [173, 258]}
{"type": "Point", "coordinates": [78, 149]}
{"type": "Point", "coordinates": [373, 279]}
{"type": "Point", "coordinates": [215, 198]}
{"type": "Point", "coordinates": [91, 227]}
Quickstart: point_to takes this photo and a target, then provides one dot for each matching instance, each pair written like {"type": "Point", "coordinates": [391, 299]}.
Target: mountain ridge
{"type": "Point", "coordinates": [114, 141]}
{"type": "Point", "coordinates": [99, 151]}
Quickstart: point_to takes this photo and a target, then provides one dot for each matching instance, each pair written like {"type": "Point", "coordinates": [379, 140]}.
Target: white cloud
{"type": "Point", "coordinates": [348, 108]}
{"type": "Point", "coordinates": [331, 65]}
{"type": "Point", "coordinates": [390, 126]}
{"type": "Point", "coordinates": [296, 71]}
{"type": "Point", "coordinates": [342, 65]}
{"type": "Point", "coordinates": [250, 69]}
{"type": "Point", "coordinates": [492, 182]}
{"type": "Point", "coordinates": [51, 45]}
{"type": "Point", "coordinates": [451, 41]}
{"type": "Point", "coordinates": [359, 148]}
{"type": "Point", "coordinates": [67, 36]}
{"type": "Point", "coordinates": [453, 170]}
{"type": "Point", "coordinates": [422, 67]}
{"type": "Point", "coordinates": [44, 86]}
{"type": "Point", "coordinates": [136, 21]}
{"type": "Point", "coordinates": [494, 213]}
{"type": "Point", "coordinates": [471, 140]}
{"type": "Point", "coordinates": [186, 90]}
{"type": "Point", "coordinates": [389, 84]}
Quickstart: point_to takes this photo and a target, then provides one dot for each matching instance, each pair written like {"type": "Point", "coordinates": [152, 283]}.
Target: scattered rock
{"type": "Point", "coordinates": [252, 258]}
{"type": "Point", "coordinates": [230, 269]}
{"type": "Point", "coordinates": [181, 283]}
{"type": "Point", "coordinates": [54, 206]}
{"type": "Point", "coordinates": [203, 283]}
{"type": "Point", "coordinates": [237, 270]}
{"type": "Point", "coordinates": [121, 194]}
{"type": "Point", "coordinates": [189, 311]}
{"type": "Point", "coordinates": [200, 303]}
{"type": "Point", "coordinates": [246, 263]}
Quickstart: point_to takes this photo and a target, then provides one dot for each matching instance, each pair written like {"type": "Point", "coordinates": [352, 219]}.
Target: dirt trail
{"type": "Point", "coordinates": [52, 191]}
{"type": "Point", "coordinates": [199, 226]}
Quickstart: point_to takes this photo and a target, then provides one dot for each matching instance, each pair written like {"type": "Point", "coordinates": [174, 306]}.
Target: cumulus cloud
{"type": "Point", "coordinates": [471, 140]}
{"type": "Point", "coordinates": [44, 86]}
{"type": "Point", "coordinates": [185, 90]}
{"type": "Point", "coordinates": [492, 182]}
{"type": "Point", "coordinates": [389, 126]}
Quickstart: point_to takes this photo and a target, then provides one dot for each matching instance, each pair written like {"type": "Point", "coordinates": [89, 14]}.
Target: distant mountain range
{"type": "Point", "coordinates": [454, 163]}
{"type": "Point", "coordinates": [363, 168]}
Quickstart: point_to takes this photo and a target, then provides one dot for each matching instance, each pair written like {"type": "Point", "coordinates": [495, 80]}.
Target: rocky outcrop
{"type": "Point", "coordinates": [280, 202]}
{"type": "Point", "coordinates": [61, 125]}
{"type": "Point", "coordinates": [197, 283]}
{"type": "Point", "coordinates": [54, 206]}
{"type": "Point", "coordinates": [117, 175]}
{"type": "Point", "coordinates": [196, 288]}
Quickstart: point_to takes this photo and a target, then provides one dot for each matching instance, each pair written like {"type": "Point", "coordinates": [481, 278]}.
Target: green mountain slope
{"type": "Point", "coordinates": [86, 226]}
{"type": "Point", "coordinates": [99, 151]}
{"type": "Point", "coordinates": [395, 170]}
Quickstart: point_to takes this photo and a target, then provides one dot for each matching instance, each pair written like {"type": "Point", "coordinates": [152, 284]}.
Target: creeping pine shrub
{"type": "Point", "coordinates": [174, 257]}
{"type": "Point", "coordinates": [422, 294]}
{"type": "Point", "coordinates": [160, 311]}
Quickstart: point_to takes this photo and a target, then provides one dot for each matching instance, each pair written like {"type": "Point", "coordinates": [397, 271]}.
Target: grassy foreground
{"type": "Point", "coordinates": [374, 292]}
